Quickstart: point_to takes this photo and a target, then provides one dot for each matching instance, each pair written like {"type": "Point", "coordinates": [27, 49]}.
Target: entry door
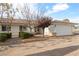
{"type": "Point", "coordinates": [15, 31]}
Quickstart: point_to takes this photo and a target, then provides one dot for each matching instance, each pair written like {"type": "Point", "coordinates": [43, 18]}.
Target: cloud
{"type": "Point", "coordinates": [57, 8]}
{"type": "Point", "coordinates": [74, 20]}
{"type": "Point", "coordinates": [60, 7]}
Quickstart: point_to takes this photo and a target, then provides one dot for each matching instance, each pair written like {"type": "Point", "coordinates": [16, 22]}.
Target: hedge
{"type": "Point", "coordinates": [5, 36]}
{"type": "Point", "coordinates": [24, 35]}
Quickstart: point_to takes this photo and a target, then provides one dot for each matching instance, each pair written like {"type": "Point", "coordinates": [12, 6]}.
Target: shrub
{"type": "Point", "coordinates": [9, 35]}
{"type": "Point", "coordinates": [4, 36]}
{"type": "Point", "coordinates": [24, 35]}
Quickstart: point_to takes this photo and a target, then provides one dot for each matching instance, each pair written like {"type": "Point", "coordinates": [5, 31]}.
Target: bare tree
{"type": "Point", "coordinates": [9, 11]}
{"type": "Point", "coordinates": [44, 22]}
{"type": "Point", "coordinates": [2, 9]}
{"type": "Point", "coordinates": [37, 14]}
{"type": "Point", "coordinates": [26, 13]}
{"type": "Point", "coordinates": [40, 12]}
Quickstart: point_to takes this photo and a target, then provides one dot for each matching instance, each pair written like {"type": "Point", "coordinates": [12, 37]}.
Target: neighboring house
{"type": "Point", "coordinates": [76, 29]}
{"type": "Point", "coordinates": [17, 26]}
{"type": "Point", "coordinates": [59, 28]}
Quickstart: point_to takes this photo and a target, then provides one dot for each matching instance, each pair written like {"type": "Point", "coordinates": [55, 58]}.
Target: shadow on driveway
{"type": "Point", "coordinates": [57, 52]}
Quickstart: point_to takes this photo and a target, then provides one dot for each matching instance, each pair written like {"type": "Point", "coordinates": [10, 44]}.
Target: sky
{"type": "Point", "coordinates": [58, 11]}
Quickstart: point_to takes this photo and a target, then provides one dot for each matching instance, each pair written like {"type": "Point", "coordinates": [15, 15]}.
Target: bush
{"type": "Point", "coordinates": [9, 35]}
{"type": "Point", "coordinates": [4, 36]}
{"type": "Point", "coordinates": [24, 35]}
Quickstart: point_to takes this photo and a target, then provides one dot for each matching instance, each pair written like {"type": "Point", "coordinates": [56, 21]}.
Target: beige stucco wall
{"type": "Point", "coordinates": [41, 30]}
{"type": "Point", "coordinates": [15, 31]}
{"type": "Point", "coordinates": [47, 32]}
{"type": "Point", "coordinates": [28, 30]}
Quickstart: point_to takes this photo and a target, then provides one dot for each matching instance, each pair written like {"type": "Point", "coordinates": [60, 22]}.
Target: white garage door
{"type": "Point", "coordinates": [63, 30]}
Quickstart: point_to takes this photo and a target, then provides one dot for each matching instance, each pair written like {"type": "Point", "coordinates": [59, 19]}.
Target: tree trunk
{"type": "Point", "coordinates": [43, 32]}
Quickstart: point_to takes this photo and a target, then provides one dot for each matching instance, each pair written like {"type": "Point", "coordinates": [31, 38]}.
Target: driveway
{"type": "Point", "coordinates": [53, 46]}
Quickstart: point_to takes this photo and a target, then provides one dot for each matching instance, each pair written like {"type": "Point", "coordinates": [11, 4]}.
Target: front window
{"type": "Point", "coordinates": [6, 28]}
{"type": "Point", "coordinates": [22, 28]}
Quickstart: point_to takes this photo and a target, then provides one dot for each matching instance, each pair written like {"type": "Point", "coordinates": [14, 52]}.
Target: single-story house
{"type": "Point", "coordinates": [18, 25]}
{"type": "Point", "coordinates": [59, 28]}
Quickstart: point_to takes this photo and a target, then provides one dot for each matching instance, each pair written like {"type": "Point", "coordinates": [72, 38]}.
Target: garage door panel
{"type": "Point", "coordinates": [63, 30]}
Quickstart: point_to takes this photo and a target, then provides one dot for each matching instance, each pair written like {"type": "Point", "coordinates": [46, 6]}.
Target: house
{"type": "Point", "coordinates": [59, 28]}
{"type": "Point", "coordinates": [17, 25]}
{"type": "Point", "coordinates": [76, 29]}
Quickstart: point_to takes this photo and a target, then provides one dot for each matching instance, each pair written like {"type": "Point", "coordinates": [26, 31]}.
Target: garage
{"type": "Point", "coordinates": [59, 28]}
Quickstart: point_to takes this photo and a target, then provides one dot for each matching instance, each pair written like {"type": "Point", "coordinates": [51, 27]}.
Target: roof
{"type": "Point", "coordinates": [31, 22]}
{"type": "Point", "coordinates": [63, 22]}
{"type": "Point", "coordinates": [18, 22]}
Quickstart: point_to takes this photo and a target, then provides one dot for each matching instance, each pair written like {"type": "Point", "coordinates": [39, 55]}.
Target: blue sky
{"type": "Point", "coordinates": [60, 11]}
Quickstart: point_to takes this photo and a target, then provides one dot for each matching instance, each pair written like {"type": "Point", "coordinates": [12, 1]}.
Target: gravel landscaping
{"type": "Point", "coordinates": [17, 44]}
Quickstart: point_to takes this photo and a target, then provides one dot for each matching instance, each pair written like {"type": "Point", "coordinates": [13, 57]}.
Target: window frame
{"type": "Point", "coordinates": [6, 28]}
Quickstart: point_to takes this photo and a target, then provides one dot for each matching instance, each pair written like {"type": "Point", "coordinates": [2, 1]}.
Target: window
{"type": "Point", "coordinates": [22, 28]}
{"type": "Point", "coordinates": [6, 28]}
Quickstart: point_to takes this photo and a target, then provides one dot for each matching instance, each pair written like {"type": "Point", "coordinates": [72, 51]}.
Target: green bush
{"type": "Point", "coordinates": [4, 36]}
{"type": "Point", "coordinates": [24, 35]}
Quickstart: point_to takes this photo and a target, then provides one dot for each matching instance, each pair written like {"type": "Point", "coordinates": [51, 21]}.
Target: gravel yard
{"type": "Point", "coordinates": [19, 47]}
